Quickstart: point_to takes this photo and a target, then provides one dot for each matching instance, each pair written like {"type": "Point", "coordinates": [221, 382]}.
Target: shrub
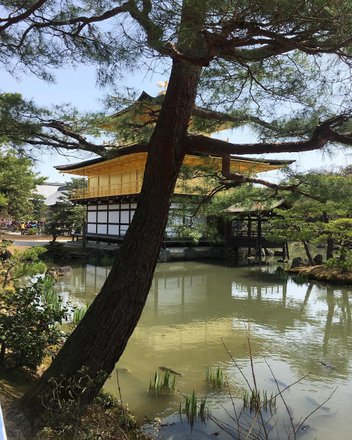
{"type": "Point", "coordinates": [343, 262]}
{"type": "Point", "coordinates": [29, 323]}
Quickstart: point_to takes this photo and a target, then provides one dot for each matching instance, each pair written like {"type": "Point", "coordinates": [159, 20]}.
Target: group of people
{"type": "Point", "coordinates": [25, 227]}
{"type": "Point", "coordinates": [5, 223]}
{"type": "Point", "coordinates": [10, 225]}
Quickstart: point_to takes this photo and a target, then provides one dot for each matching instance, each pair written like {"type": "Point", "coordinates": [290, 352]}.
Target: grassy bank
{"type": "Point", "coordinates": [105, 419]}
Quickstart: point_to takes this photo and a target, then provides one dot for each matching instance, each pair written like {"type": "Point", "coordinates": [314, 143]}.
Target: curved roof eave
{"type": "Point", "coordinates": [143, 149]}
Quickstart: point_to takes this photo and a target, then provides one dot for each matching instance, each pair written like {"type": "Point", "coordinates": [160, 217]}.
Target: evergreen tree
{"type": "Point", "coordinates": [320, 211]}
{"type": "Point", "coordinates": [239, 62]}
{"type": "Point", "coordinates": [17, 184]}
{"type": "Point", "coordinates": [64, 218]}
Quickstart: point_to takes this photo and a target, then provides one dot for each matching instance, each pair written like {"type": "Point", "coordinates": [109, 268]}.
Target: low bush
{"type": "Point", "coordinates": [343, 261]}
{"type": "Point", "coordinates": [29, 323]}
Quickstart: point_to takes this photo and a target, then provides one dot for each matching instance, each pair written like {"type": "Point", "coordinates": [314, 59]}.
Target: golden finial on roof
{"type": "Point", "coordinates": [163, 85]}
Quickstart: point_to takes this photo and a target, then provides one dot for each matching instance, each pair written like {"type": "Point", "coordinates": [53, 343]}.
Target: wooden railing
{"type": "Point", "coordinates": [127, 188]}
{"type": "Point", "coordinates": [117, 189]}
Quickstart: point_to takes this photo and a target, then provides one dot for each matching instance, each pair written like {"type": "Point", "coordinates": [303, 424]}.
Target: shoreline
{"type": "Point", "coordinates": [332, 275]}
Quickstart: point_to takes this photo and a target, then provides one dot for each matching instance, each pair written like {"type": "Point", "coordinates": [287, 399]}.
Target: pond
{"type": "Point", "coordinates": [200, 316]}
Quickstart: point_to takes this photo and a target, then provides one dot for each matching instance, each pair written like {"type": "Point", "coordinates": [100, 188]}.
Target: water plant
{"type": "Point", "coordinates": [193, 408]}
{"type": "Point", "coordinates": [256, 400]}
{"type": "Point", "coordinates": [48, 295]}
{"type": "Point", "coordinates": [78, 314]}
{"type": "Point", "coordinates": [162, 384]}
{"type": "Point", "coordinates": [215, 377]}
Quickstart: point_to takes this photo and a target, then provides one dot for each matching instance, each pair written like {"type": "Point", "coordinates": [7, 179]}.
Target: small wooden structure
{"type": "Point", "coordinates": [247, 229]}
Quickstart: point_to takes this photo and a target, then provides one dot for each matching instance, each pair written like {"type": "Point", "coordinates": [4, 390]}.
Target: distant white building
{"type": "Point", "coordinates": [51, 192]}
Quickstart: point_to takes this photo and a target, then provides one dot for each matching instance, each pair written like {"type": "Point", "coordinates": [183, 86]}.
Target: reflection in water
{"type": "Point", "coordinates": [194, 310]}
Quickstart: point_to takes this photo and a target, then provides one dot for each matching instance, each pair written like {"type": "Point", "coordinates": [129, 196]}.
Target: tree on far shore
{"type": "Point", "coordinates": [17, 185]}
{"type": "Point", "coordinates": [319, 212]}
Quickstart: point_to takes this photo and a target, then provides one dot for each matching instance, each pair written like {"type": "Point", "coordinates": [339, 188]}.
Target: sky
{"type": "Point", "coordinates": [72, 86]}
{"type": "Point", "coordinates": [78, 87]}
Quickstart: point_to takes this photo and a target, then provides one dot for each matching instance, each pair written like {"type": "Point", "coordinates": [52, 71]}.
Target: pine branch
{"type": "Point", "coordinates": [236, 179]}
{"type": "Point", "coordinates": [260, 43]}
{"type": "Point", "coordinates": [154, 33]}
{"type": "Point", "coordinates": [80, 21]}
{"type": "Point", "coordinates": [9, 21]}
{"type": "Point", "coordinates": [212, 115]}
{"type": "Point", "coordinates": [322, 134]}
{"type": "Point", "coordinates": [82, 142]}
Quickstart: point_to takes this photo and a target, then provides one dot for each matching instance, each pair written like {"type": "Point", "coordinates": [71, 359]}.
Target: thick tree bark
{"type": "Point", "coordinates": [100, 339]}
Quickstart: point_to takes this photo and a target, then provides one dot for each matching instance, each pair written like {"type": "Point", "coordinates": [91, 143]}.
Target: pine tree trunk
{"type": "Point", "coordinates": [329, 248]}
{"type": "Point", "coordinates": [329, 241]}
{"type": "Point", "coordinates": [2, 351]}
{"type": "Point", "coordinates": [308, 253]}
{"type": "Point", "coordinates": [100, 338]}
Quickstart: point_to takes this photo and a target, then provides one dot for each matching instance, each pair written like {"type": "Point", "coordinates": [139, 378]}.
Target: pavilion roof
{"type": "Point", "coordinates": [146, 109]}
{"type": "Point", "coordinates": [257, 207]}
{"type": "Point", "coordinates": [131, 150]}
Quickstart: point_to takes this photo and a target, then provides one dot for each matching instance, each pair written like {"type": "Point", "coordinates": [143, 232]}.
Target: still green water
{"type": "Point", "coordinates": [196, 314]}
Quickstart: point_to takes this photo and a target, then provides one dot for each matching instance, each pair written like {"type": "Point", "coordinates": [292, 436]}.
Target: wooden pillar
{"type": "Point", "coordinates": [259, 238]}
{"type": "Point", "coordinates": [249, 233]}
{"type": "Point", "coordinates": [84, 231]}
{"type": "Point", "coordinates": [225, 230]}
{"type": "Point", "coordinates": [284, 293]}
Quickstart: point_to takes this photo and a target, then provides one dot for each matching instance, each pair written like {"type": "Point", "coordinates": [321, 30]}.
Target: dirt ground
{"type": "Point", "coordinates": [21, 242]}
